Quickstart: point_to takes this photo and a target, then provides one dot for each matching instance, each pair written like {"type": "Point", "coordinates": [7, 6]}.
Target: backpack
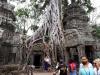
{"type": "Point", "coordinates": [72, 67]}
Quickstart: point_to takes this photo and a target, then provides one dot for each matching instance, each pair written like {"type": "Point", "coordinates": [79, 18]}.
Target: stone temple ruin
{"type": "Point", "coordinates": [78, 39]}
{"type": "Point", "coordinates": [62, 37]}
{"type": "Point", "coordinates": [10, 41]}
{"type": "Point", "coordinates": [49, 38]}
{"type": "Point", "coordinates": [7, 28]}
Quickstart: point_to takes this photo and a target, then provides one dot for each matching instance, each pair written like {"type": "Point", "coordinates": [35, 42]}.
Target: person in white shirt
{"type": "Point", "coordinates": [97, 66]}
{"type": "Point", "coordinates": [47, 63]}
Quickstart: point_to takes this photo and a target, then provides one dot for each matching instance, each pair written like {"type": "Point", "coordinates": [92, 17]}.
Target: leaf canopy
{"type": "Point", "coordinates": [22, 12]}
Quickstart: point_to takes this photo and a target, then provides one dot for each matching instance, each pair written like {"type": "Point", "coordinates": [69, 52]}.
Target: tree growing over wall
{"type": "Point", "coordinates": [37, 8]}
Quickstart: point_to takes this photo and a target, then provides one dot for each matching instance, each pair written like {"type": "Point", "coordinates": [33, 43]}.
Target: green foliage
{"type": "Point", "coordinates": [22, 12]}
{"type": "Point", "coordinates": [23, 15]}
{"type": "Point", "coordinates": [34, 11]}
{"type": "Point", "coordinates": [38, 6]}
{"type": "Point", "coordinates": [96, 31]}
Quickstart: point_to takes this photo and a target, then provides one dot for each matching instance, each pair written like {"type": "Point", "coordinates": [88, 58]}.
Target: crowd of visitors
{"type": "Point", "coordinates": [85, 67]}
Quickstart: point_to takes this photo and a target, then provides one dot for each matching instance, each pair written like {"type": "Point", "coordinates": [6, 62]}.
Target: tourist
{"type": "Point", "coordinates": [57, 65]}
{"type": "Point", "coordinates": [94, 63]}
{"type": "Point", "coordinates": [47, 63]}
{"type": "Point", "coordinates": [97, 66]}
{"type": "Point", "coordinates": [85, 68]}
{"type": "Point", "coordinates": [89, 64]}
{"type": "Point", "coordinates": [72, 67]}
{"type": "Point", "coordinates": [62, 69]}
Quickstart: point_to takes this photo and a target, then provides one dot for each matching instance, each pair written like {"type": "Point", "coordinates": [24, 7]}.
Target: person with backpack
{"type": "Point", "coordinates": [72, 67]}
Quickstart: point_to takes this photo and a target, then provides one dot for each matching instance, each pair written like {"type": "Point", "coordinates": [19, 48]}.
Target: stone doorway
{"type": "Point", "coordinates": [89, 51]}
{"type": "Point", "coordinates": [37, 60]}
{"type": "Point", "coordinates": [72, 53]}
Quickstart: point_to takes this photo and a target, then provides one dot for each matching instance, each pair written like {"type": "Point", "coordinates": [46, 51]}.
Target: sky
{"type": "Point", "coordinates": [21, 5]}
{"type": "Point", "coordinates": [96, 4]}
{"type": "Point", "coordinates": [93, 15]}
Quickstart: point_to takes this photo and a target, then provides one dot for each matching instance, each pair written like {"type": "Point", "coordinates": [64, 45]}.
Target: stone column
{"type": "Point", "coordinates": [72, 51]}
{"type": "Point", "coordinates": [66, 53]}
{"type": "Point", "coordinates": [81, 51]}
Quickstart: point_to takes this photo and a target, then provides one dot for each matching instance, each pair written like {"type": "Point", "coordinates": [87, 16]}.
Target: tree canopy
{"type": "Point", "coordinates": [85, 3]}
{"type": "Point", "coordinates": [36, 7]}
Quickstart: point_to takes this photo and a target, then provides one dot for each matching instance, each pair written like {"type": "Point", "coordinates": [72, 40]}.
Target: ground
{"type": "Point", "coordinates": [43, 73]}
{"type": "Point", "coordinates": [40, 73]}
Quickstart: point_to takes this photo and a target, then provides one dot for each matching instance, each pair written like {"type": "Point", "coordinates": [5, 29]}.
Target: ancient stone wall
{"type": "Point", "coordinates": [78, 37]}
{"type": "Point", "coordinates": [76, 19]}
{"type": "Point", "coordinates": [7, 19]}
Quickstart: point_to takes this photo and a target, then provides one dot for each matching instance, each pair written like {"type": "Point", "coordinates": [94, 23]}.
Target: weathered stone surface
{"type": "Point", "coordinates": [77, 34]}
{"type": "Point", "coordinates": [72, 37]}
{"type": "Point", "coordinates": [1, 32]}
{"type": "Point", "coordinates": [77, 20]}
{"type": "Point", "coordinates": [7, 19]}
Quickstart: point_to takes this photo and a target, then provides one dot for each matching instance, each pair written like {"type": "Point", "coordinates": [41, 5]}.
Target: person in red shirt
{"type": "Point", "coordinates": [72, 67]}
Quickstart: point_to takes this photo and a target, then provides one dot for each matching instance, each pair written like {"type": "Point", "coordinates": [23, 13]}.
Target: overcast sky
{"type": "Point", "coordinates": [96, 4]}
